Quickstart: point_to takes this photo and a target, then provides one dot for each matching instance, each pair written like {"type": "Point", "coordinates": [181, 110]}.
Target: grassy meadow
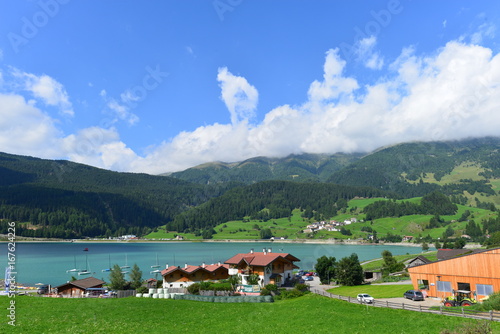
{"type": "Point", "coordinates": [308, 314]}
{"type": "Point", "coordinates": [374, 290]}
{"type": "Point", "coordinates": [291, 228]}
{"type": "Point", "coordinates": [375, 265]}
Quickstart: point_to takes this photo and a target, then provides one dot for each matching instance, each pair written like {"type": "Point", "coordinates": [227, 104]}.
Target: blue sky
{"type": "Point", "coordinates": [160, 86]}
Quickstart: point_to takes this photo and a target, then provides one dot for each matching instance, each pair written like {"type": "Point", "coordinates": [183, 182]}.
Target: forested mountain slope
{"type": "Point", "coordinates": [303, 167]}
{"type": "Point", "coordinates": [415, 169]}
{"type": "Point", "coordinates": [65, 199]}
{"type": "Point", "coordinates": [271, 199]}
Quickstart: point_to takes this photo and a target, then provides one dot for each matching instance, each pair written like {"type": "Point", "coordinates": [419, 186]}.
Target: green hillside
{"type": "Point", "coordinates": [70, 200]}
{"type": "Point", "coordinates": [304, 167]}
{"type": "Point", "coordinates": [468, 169]}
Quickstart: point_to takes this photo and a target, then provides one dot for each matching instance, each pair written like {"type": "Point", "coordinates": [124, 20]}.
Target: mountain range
{"type": "Point", "coordinates": [60, 198]}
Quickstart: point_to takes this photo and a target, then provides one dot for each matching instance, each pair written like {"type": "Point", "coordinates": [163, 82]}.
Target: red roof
{"type": "Point", "coordinates": [261, 259]}
{"type": "Point", "coordinates": [191, 269]}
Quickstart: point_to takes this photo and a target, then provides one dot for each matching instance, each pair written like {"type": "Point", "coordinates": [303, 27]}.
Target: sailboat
{"type": "Point", "coordinates": [109, 264]}
{"type": "Point", "coordinates": [85, 271]}
{"type": "Point", "coordinates": [74, 270]}
{"type": "Point", "coordinates": [156, 267]}
{"type": "Point", "coordinates": [126, 266]}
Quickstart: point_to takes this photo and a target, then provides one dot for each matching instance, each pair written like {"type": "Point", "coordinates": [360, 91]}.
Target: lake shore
{"type": "Point", "coordinates": [279, 241]}
{"type": "Point", "coordinates": [289, 241]}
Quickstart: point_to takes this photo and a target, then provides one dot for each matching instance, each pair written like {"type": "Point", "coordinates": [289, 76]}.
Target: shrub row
{"type": "Point", "coordinates": [235, 299]}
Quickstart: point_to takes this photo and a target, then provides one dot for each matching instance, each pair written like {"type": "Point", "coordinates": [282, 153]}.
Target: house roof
{"type": "Point", "coordinates": [261, 259]}
{"type": "Point", "coordinates": [421, 258]}
{"type": "Point", "coordinates": [191, 269]}
{"type": "Point", "coordinates": [445, 254]}
{"type": "Point", "coordinates": [85, 283]}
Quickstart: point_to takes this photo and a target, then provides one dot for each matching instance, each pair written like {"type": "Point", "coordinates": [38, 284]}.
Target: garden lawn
{"type": "Point", "coordinates": [374, 290]}
{"type": "Point", "coordinates": [309, 314]}
{"type": "Point", "coordinates": [376, 265]}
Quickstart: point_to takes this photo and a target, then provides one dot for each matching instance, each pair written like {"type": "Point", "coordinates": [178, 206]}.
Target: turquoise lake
{"type": "Point", "coordinates": [48, 262]}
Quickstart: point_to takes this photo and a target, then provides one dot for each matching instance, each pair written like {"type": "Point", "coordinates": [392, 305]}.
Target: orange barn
{"type": "Point", "coordinates": [478, 272]}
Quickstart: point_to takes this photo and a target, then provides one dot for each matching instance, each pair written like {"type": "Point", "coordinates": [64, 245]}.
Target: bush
{"type": "Point", "coordinates": [480, 327]}
{"type": "Point", "coordinates": [302, 287]}
{"type": "Point", "coordinates": [492, 303]}
{"type": "Point", "coordinates": [265, 292]}
{"type": "Point", "coordinates": [142, 289]}
{"type": "Point", "coordinates": [289, 294]}
{"type": "Point", "coordinates": [271, 287]}
{"type": "Point", "coordinates": [194, 288]}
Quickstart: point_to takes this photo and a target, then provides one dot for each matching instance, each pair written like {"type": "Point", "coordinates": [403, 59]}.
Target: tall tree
{"type": "Point", "coordinates": [349, 271]}
{"type": "Point", "coordinates": [135, 277]}
{"type": "Point", "coordinates": [325, 267]}
{"type": "Point", "coordinates": [391, 265]}
{"type": "Point", "coordinates": [116, 278]}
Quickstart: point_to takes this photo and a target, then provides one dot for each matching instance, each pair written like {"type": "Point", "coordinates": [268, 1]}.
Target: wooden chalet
{"type": "Point", "coordinates": [417, 261]}
{"type": "Point", "coordinates": [272, 268]}
{"type": "Point", "coordinates": [79, 288]}
{"type": "Point", "coordinates": [477, 271]}
{"type": "Point", "coordinates": [177, 277]}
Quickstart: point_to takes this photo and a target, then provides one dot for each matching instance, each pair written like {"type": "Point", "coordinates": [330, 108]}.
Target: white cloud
{"type": "Point", "coordinates": [25, 129]}
{"type": "Point", "coordinates": [366, 54]}
{"type": "Point", "coordinates": [449, 94]}
{"type": "Point", "coordinates": [333, 84]}
{"type": "Point", "coordinates": [485, 30]}
{"type": "Point", "coordinates": [240, 97]}
{"type": "Point", "coordinates": [120, 109]}
{"type": "Point", "coordinates": [46, 88]}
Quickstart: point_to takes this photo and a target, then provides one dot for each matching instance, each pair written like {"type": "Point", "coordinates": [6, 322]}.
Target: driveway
{"type": "Point", "coordinates": [428, 302]}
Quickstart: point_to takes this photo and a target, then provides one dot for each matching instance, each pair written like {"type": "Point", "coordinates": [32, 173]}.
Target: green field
{"type": "Point", "coordinates": [291, 228]}
{"type": "Point", "coordinates": [309, 314]}
{"type": "Point", "coordinates": [377, 264]}
{"type": "Point", "coordinates": [375, 290]}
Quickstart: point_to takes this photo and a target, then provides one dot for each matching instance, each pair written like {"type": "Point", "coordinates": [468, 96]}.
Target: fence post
{"type": "Point", "coordinates": [491, 315]}
{"type": "Point", "coordinates": [349, 298]}
{"type": "Point", "coordinates": [403, 306]}
{"type": "Point", "coordinates": [441, 309]}
{"type": "Point", "coordinates": [463, 313]}
{"type": "Point", "coordinates": [387, 303]}
{"type": "Point", "coordinates": [420, 308]}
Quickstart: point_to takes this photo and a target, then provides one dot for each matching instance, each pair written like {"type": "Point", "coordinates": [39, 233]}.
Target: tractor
{"type": "Point", "coordinates": [460, 298]}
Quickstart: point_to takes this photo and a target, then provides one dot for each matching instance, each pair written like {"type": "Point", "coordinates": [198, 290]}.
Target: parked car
{"type": "Point", "coordinates": [365, 298]}
{"type": "Point", "coordinates": [309, 278]}
{"type": "Point", "coordinates": [413, 295]}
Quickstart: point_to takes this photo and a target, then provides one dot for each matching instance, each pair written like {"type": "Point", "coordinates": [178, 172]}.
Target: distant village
{"type": "Point", "coordinates": [332, 225]}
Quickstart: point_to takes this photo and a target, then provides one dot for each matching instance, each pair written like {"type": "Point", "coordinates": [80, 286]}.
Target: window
{"type": "Point", "coordinates": [423, 284]}
{"type": "Point", "coordinates": [444, 286]}
{"type": "Point", "coordinates": [463, 286]}
{"type": "Point", "coordinates": [484, 289]}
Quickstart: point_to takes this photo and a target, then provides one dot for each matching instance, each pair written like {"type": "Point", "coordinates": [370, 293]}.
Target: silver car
{"type": "Point", "coordinates": [365, 298]}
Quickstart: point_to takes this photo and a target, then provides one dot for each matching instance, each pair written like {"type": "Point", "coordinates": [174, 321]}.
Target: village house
{"type": "Point", "coordinates": [477, 271]}
{"type": "Point", "coordinates": [177, 277]}
{"type": "Point", "coordinates": [417, 261]}
{"type": "Point", "coordinates": [79, 288]}
{"type": "Point", "coordinates": [271, 268]}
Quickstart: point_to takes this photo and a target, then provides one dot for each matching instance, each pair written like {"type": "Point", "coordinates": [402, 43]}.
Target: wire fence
{"type": "Point", "coordinates": [464, 312]}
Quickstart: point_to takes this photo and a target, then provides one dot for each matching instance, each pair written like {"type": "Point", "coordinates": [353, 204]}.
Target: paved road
{"type": "Point", "coordinates": [427, 302]}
